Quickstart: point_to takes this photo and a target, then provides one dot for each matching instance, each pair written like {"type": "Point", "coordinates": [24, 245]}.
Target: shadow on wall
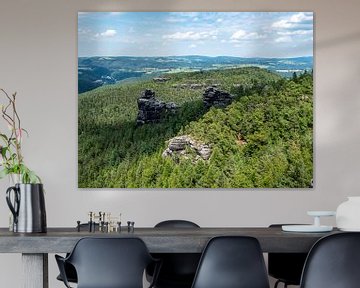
{"type": "Point", "coordinates": [338, 40]}
{"type": "Point", "coordinates": [338, 106]}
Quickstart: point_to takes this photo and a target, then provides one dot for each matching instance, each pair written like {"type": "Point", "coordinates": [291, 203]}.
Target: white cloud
{"type": "Point", "coordinates": [301, 17]}
{"type": "Point", "coordinates": [191, 35]}
{"type": "Point", "coordinates": [243, 35]}
{"type": "Point", "coordinates": [295, 32]}
{"type": "Point", "coordinates": [82, 31]}
{"type": "Point", "coordinates": [238, 35]}
{"type": "Point", "coordinates": [187, 14]}
{"type": "Point", "coordinates": [178, 17]}
{"type": "Point", "coordinates": [175, 20]}
{"type": "Point", "coordinates": [107, 33]}
{"type": "Point", "coordinates": [284, 39]}
{"type": "Point", "coordinates": [283, 24]}
{"type": "Point", "coordinates": [294, 21]}
{"type": "Point", "coordinates": [192, 46]}
{"type": "Point", "coordinates": [116, 13]}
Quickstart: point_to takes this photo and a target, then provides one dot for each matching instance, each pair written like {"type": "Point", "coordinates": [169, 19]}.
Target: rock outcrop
{"type": "Point", "coordinates": [152, 110]}
{"type": "Point", "coordinates": [193, 86]}
{"type": "Point", "coordinates": [187, 148]}
{"type": "Point", "coordinates": [161, 79]}
{"type": "Point", "coordinates": [215, 97]}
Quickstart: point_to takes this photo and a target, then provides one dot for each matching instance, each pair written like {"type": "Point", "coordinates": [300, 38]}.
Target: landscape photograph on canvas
{"type": "Point", "coordinates": [195, 99]}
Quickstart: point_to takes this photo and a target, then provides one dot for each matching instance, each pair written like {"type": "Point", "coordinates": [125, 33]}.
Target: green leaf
{"type": "Point", "coordinates": [28, 176]}
{"type": "Point", "coordinates": [3, 151]}
{"type": "Point", "coordinates": [33, 178]}
{"type": "Point", "coordinates": [4, 173]}
{"type": "Point", "coordinates": [27, 133]}
{"type": "Point", "coordinates": [4, 137]}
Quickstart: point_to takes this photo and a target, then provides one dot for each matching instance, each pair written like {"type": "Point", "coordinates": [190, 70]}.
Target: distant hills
{"type": "Point", "coordinates": [94, 72]}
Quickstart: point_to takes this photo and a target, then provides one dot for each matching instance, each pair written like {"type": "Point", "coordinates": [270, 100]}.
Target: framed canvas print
{"type": "Point", "coordinates": [195, 100]}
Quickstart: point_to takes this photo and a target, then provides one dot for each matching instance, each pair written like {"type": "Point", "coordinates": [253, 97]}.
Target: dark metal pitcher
{"type": "Point", "coordinates": [28, 207]}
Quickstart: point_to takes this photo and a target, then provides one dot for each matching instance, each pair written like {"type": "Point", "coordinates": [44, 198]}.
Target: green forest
{"type": "Point", "coordinates": [263, 139]}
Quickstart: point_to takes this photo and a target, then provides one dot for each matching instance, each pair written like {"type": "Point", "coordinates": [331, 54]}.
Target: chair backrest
{"type": "Point", "coordinates": [232, 262]}
{"type": "Point", "coordinates": [177, 268]}
{"type": "Point", "coordinates": [110, 262]}
{"type": "Point", "coordinates": [176, 224]}
{"type": "Point", "coordinates": [333, 262]}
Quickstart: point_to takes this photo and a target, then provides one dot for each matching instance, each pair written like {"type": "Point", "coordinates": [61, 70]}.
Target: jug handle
{"type": "Point", "coordinates": [13, 208]}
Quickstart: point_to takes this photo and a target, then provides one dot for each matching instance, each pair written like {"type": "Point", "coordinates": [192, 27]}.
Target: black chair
{"type": "Point", "coordinates": [333, 262]}
{"type": "Point", "coordinates": [232, 262]}
{"type": "Point", "coordinates": [108, 263]}
{"type": "Point", "coordinates": [69, 269]}
{"type": "Point", "coordinates": [178, 269]}
{"type": "Point", "coordinates": [286, 267]}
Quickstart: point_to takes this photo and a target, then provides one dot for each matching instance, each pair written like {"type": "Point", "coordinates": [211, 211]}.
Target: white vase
{"type": "Point", "coordinates": [348, 215]}
{"type": "Point", "coordinates": [14, 179]}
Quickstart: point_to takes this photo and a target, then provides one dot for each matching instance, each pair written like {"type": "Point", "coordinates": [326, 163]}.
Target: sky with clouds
{"type": "Point", "coordinates": [242, 34]}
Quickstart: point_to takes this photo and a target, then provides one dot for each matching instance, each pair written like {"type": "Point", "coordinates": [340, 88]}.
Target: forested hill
{"type": "Point", "coordinates": [94, 72]}
{"type": "Point", "coordinates": [263, 139]}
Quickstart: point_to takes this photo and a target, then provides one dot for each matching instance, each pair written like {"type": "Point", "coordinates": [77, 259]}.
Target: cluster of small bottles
{"type": "Point", "coordinates": [105, 222]}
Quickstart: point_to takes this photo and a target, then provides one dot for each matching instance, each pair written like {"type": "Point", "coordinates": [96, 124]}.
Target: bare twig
{"type": "Point", "coordinates": [14, 124]}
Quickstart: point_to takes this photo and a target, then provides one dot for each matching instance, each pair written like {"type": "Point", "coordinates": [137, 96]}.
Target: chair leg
{"type": "Point", "coordinates": [278, 282]}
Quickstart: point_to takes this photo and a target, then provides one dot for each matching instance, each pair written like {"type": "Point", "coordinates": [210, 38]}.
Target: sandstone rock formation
{"type": "Point", "coordinates": [152, 110]}
{"type": "Point", "coordinates": [193, 86]}
{"type": "Point", "coordinates": [187, 148]}
{"type": "Point", "coordinates": [161, 79]}
{"type": "Point", "coordinates": [214, 97]}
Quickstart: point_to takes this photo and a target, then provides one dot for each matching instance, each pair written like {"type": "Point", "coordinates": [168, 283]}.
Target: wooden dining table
{"type": "Point", "coordinates": [35, 247]}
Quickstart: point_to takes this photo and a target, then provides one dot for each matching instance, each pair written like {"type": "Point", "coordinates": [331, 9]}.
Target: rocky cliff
{"type": "Point", "coordinates": [152, 110]}
{"type": "Point", "coordinates": [215, 97]}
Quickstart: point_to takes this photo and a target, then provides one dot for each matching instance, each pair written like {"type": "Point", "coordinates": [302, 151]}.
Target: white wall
{"type": "Point", "coordinates": [38, 59]}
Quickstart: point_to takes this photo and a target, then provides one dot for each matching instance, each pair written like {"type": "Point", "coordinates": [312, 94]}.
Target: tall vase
{"type": "Point", "coordinates": [27, 204]}
{"type": "Point", "coordinates": [348, 214]}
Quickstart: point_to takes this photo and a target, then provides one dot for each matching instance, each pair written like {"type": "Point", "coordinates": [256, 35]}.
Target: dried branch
{"type": "Point", "coordinates": [11, 156]}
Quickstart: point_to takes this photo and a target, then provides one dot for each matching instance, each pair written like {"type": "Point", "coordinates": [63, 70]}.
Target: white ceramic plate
{"type": "Point", "coordinates": [306, 228]}
{"type": "Point", "coordinates": [321, 213]}
{"type": "Point", "coordinates": [350, 229]}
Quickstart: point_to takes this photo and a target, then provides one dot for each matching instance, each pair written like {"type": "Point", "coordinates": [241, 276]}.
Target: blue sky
{"type": "Point", "coordinates": [242, 34]}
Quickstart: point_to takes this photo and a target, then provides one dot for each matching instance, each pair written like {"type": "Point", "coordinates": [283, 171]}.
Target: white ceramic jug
{"type": "Point", "coordinates": [348, 215]}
